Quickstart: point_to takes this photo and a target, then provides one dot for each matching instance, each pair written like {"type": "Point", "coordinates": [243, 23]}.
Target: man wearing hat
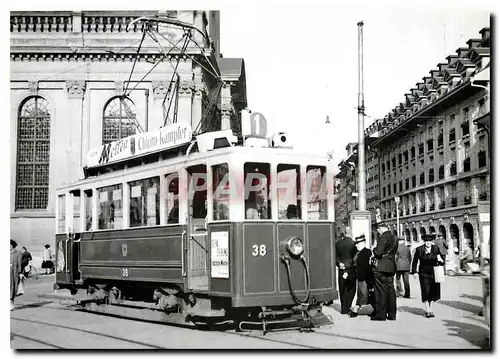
{"type": "Point", "coordinates": [384, 269]}
{"type": "Point", "coordinates": [345, 250]}
{"type": "Point", "coordinates": [403, 263]}
{"type": "Point", "coordinates": [364, 275]}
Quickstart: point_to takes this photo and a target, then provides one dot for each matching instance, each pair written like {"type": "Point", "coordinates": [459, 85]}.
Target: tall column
{"type": "Point", "coordinates": [184, 111]}
{"type": "Point", "coordinates": [74, 152]}
{"type": "Point", "coordinates": [226, 107]}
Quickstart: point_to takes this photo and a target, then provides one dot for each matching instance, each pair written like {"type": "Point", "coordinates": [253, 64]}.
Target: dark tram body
{"type": "Point", "coordinates": [138, 237]}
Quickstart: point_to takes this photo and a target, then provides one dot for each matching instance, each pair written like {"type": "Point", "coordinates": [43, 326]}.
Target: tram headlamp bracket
{"type": "Point", "coordinates": [292, 246]}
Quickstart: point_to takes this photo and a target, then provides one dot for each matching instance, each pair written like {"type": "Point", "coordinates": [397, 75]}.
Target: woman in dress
{"type": "Point", "coordinates": [429, 256]}
{"type": "Point", "coordinates": [47, 263]}
{"type": "Point", "coordinates": [15, 271]}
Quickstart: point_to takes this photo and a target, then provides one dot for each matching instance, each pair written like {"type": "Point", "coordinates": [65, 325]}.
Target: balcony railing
{"type": "Point", "coordinates": [414, 210]}
{"type": "Point", "coordinates": [431, 207]}
{"type": "Point", "coordinates": [442, 205]}
{"type": "Point", "coordinates": [454, 202]}
{"type": "Point", "coordinates": [467, 200]}
{"type": "Point", "coordinates": [422, 209]}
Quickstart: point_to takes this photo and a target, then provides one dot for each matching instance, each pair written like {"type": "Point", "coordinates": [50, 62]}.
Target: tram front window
{"type": "Point", "coordinates": [220, 185]}
{"type": "Point", "coordinates": [257, 188]}
{"type": "Point", "coordinates": [316, 192]}
{"type": "Point", "coordinates": [289, 191]}
{"type": "Point", "coordinates": [198, 191]}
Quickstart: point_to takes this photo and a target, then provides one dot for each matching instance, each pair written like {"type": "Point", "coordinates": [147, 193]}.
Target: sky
{"type": "Point", "coordinates": [301, 61]}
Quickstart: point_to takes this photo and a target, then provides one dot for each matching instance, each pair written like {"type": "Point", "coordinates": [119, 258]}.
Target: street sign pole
{"type": "Point", "coordinates": [396, 199]}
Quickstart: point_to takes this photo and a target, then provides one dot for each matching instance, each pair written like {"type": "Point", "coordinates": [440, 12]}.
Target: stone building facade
{"type": "Point", "coordinates": [347, 183]}
{"type": "Point", "coordinates": [434, 156]}
{"type": "Point", "coordinates": [72, 88]}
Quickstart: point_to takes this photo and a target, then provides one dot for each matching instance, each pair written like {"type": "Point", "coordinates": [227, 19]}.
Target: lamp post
{"type": "Point", "coordinates": [361, 219]}
{"type": "Point", "coordinates": [396, 199]}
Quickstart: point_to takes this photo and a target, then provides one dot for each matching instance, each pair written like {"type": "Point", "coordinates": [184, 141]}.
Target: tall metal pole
{"type": "Point", "coordinates": [361, 124]}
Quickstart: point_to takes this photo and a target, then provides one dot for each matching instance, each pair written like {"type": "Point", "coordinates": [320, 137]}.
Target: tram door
{"type": "Point", "coordinates": [198, 247]}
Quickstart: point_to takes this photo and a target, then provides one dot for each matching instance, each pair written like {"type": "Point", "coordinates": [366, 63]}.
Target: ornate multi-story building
{"type": "Point", "coordinates": [346, 187]}
{"type": "Point", "coordinates": [82, 79]}
{"type": "Point", "coordinates": [434, 156]}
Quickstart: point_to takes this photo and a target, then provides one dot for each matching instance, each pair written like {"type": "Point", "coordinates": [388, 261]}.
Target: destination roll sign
{"type": "Point", "coordinates": [140, 144]}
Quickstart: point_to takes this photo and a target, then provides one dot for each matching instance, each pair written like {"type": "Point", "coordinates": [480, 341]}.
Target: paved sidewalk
{"type": "Point", "coordinates": [457, 324]}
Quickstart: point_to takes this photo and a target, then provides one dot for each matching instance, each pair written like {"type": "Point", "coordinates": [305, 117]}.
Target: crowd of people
{"type": "Point", "coordinates": [374, 274]}
{"type": "Point", "coordinates": [21, 268]}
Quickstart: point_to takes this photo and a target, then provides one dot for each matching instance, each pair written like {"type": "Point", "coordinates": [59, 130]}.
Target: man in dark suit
{"type": "Point", "coordinates": [345, 250]}
{"type": "Point", "coordinates": [403, 262]}
{"type": "Point", "coordinates": [383, 272]}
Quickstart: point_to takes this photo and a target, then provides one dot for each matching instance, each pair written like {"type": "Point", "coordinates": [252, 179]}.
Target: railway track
{"type": "Point", "coordinates": [319, 339]}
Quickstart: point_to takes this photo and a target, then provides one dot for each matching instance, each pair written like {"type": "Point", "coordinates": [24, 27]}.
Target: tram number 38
{"type": "Point", "coordinates": [124, 272]}
{"type": "Point", "coordinates": [259, 250]}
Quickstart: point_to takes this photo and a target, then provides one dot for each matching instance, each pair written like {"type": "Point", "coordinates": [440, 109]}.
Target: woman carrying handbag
{"type": "Point", "coordinates": [430, 272]}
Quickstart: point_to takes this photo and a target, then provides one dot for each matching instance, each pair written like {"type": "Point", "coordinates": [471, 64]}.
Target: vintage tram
{"type": "Point", "coordinates": [199, 230]}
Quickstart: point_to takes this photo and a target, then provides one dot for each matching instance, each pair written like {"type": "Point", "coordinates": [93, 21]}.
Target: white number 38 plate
{"type": "Point", "coordinates": [259, 250]}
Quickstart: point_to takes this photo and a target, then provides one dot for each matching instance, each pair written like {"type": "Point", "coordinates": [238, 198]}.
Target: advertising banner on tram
{"type": "Point", "coordinates": [140, 144]}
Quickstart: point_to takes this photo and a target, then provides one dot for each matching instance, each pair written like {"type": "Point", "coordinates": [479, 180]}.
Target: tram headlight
{"type": "Point", "coordinates": [295, 246]}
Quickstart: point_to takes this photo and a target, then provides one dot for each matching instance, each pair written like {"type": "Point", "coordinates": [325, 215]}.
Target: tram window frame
{"type": "Point", "coordinates": [139, 215]}
{"type": "Point", "coordinates": [76, 210]}
{"type": "Point", "coordinates": [195, 198]}
{"type": "Point", "coordinates": [322, 193]}
{"type": "Point", "coordinates": [220, 195]}
{"type": "Point", "coordinates": [89, 202]}
{"type": "Point", "coordinates": [113, 208]}
{"type": "Point", "coordinates": [264, 170]}
{"type": "Point", "coordinates": [61, 213]}
{"type": "Point", "coordinates": [172, 197]}
{"type": "Point", "coordinates": [293, 211]}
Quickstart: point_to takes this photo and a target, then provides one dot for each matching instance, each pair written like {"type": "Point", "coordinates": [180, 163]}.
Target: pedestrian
{"type": "Point", "coordinates": [403, 263]}
{"type": "Point", "coordinates": [440, 242]}
{"type": "Point", "coordinates": [466, 257]}
{"type": "Point", "coordinates": [384, 268]}
{"type": "Point", "coordinates": [25, 261]}
{"type": "Point", "coordinates": [364, 275]}
{"type": "Point", "coordinates": [428, 256]}
{"type": "Point", "coordinates": [15, 272]}
{"type": "Point", "coordinates": [345, 250]}
{"type": "Point", "coordinates": [47, 263]}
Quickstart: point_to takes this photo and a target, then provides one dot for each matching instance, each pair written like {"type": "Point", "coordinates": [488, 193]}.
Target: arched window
{"type": "Point", "coordinates": [119, 119]}
{"type": "Point", "coordinates": [33, 154]}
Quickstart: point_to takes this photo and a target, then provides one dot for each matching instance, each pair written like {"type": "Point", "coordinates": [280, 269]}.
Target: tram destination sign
{"type": "Point", "coordinates": [164, 138]}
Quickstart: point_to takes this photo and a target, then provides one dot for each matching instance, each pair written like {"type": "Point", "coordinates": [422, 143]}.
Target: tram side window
{"type": "Point", "coordinates": [145, 202]}
{"type": "Point", "coordinates": [257, 188]}
{"type": "Point", "coordinates": [88, 210]}
{"type": "Point", "coordinates": [172, 183]}
{"type": "Point", "coordinates": [317, 192]}
{"type": "Point", "coordinates": [198, 190]}
{"type": "Point", "coordinates": [76, 211]}
{"type": "Point", "coordinates": [110, 211]}
{"type": "Point", "coordinates": [289, 192]}
{"type": "Point", "coordinates": [62, 213]}
{"type": "Point", "coordinates": [220, 185]}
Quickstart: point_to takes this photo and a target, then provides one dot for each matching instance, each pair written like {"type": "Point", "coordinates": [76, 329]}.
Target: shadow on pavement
{"type": "Point", "coordinates": [474, 334]}
{"type": "Point", "coordinates": [412, 310]}
{"type": "Point", "coordinates": [462, 306]}
{"type": "Point", "coordinates": [32, 305]}
{"type": "Point", "coordinates": [473, 297]}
